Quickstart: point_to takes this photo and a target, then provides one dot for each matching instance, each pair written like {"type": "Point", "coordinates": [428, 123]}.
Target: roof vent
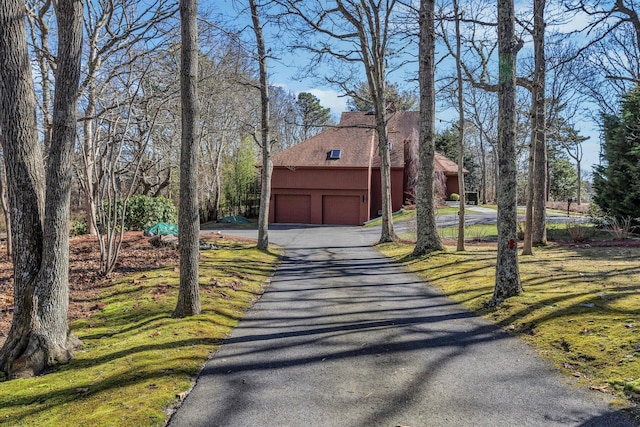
{"type": "Point", "coordinates": [334, 154]}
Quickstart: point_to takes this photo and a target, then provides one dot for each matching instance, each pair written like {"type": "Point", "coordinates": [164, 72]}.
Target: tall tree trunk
{"type": "Point", "coordinates": [427, 237]}
{"type": "Point", "coordinates": [483, 162]}
{"type": "Point", "coordinates": [387, 233]}
{"type": "Point", "coordinates": [38, 16]}
{"type": "Point", "coordinates": [189, 220]}
{"type": "Point", "coordinates": [267, 165]}
{"type": "Point", "coordinates": [507, 270]}
{"type": "Point", "coordinates": [461, 189]}
{"type": "Point", "coordinates": [496, 172]}
{"type": "Point", "coordinates": [579, 183]}
{"type": "Point", "coordinates": [39, 335]}
{"type": "Point", "coordinates": [527, 247]}
{"type": "Point", "coordinates": [89, 158]}
{"type": "Point", "coordinates": [25, 175]}
{"type": "Point", "coordinates": [4, 202]}
{"type": "Point", "coordinates": [51, 334]}
{"type": "Point", "coordinates": [539, 231]}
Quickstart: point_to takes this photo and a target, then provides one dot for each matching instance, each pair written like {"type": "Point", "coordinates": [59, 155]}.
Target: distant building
{"type": "Point", "coordinates": [334, 177]}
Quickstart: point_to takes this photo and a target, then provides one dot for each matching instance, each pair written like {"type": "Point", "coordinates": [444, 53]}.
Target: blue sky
{"type": "Point", "coordinates": [283, 72]}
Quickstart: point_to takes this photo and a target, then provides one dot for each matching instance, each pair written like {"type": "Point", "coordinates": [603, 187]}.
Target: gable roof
{"type": "Point", "coordinates": [445, 165]}
{"type": "Point", "coordinates": [357, 139]}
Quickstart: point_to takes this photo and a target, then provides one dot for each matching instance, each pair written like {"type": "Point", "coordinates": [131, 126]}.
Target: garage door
{"type": "Point", "coordinates": [343, 210]}
{"type": "Point", "coordinates": [294, 208]}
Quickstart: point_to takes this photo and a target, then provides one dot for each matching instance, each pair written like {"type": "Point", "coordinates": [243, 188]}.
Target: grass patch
{"type": "Point", "coordinates": [580, 308]}
{"type": "Point", "coordinates": [137, 361]}
{"type": "Point", "coordinates": [411, 214]}
{"type": "Point", "coordinates": [471, 232]}
{"type": "Point", "coordinates": [400, 215]}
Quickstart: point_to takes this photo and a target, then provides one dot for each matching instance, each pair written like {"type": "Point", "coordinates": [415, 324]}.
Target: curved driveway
{"type": "Point", "coordinates": [344, 337]}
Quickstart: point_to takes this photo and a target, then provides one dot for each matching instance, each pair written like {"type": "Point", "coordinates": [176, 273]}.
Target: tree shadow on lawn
{"type": "Point", "coordinates": [83, 390]}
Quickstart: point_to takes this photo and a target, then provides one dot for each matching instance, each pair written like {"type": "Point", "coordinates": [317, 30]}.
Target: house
{"type": "Point", "coordinates": [334, 177]}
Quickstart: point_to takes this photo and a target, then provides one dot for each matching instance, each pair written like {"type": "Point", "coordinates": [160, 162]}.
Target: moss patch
{"type": "Point", "coordinates": [580, 308]}
{"type": "Point", "coordinates": [411, 214]}
{"type": "Point", "coordinates": [138, 361]}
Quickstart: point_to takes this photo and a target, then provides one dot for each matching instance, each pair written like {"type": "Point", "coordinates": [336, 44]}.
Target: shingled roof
{"type": "Point", "coordinates": [357, 141]}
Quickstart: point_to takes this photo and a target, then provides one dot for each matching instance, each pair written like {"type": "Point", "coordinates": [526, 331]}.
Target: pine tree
{"type": "Point", "coordinates": [314, 115]}
{"type": "Point", "coordinates": [617, 181]}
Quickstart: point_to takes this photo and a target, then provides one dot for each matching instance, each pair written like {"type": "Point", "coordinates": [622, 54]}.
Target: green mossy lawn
{"type": "Point", "coordinates": [580, 308]}
{"type": "Point", "coordinates": [406, 214]}
{"type": "Point", "coordinates": [137, 361]}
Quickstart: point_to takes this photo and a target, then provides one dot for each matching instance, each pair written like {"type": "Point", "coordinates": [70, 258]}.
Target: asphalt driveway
{"type": "Point", "coordinates": [344, 337]}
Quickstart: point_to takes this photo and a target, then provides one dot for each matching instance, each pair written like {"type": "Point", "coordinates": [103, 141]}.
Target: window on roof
{"type": "Point", "coordinates": [334, 154]}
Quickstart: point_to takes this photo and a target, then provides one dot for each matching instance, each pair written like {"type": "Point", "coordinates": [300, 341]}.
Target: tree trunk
{"type": "Point", "coordinates": [507, 271]}
{"type": "Point", "coordinates": [217, 185]}
{"type": "Point", "coordinates": [88, 156]}
{"type": "Point", "coordinates": [539, 230]}
{"type": "Point", "coordinates": [483, 162]}
{"type": "Point", "coordinates": [461, 189]}
{"type": "Point", "coordinates": [387, 233]}
{"type": "Point", "coordinates": [51, 331]}
{"type": "Point", "coordinates": [579, 183]}
{"type": "Point", "coordinates": [189, 221]}
{"type": "Point", "coordinates": [527, 247]}
{"type": "Point", "coordinates": [39, 335]}
{"type": "Point", "coordinates": [427, 237]}
{"type": "Point", "coordinates": [267, 166]}
{"type": "Point", "coordinates": [25, 175]}
{"type": "Point", "coordinates": [4, 201]}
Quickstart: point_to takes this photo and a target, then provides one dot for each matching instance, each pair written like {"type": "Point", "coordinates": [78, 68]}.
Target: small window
{"type": "Point", "coordinates": [334, 154]}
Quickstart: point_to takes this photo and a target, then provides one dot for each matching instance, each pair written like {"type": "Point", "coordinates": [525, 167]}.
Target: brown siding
{"type": "Point", "coordinates": [320, 178]}
{"type": "Point", "coordinates": [397, 191]}
{"type": "Point", "coordinates": [316, 183]}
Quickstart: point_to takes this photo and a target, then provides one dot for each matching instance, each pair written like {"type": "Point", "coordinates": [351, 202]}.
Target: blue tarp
{"type": "Point", "coordinates": [161, 228]}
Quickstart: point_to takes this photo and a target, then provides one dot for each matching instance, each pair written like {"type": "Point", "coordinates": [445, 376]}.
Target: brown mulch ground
{"type": "Point", "coordinates": [85, 282]}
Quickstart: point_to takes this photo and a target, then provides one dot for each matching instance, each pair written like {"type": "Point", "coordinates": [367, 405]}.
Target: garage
{"type": "Point", "coordinates": [341, 210]}
{"type": "Point", "coordinates": [293, 208]}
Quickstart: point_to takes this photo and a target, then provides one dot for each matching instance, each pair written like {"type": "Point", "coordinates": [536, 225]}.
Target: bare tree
{"type": "Point", "coordinates": [188, 218]}
{"type": "Point", "coordinates": [264, 142]}
{"type": "Point", "coordinates": [482, 113]}
{"type": "Point", "coordinates": [539, 127]}
{"type": "Point", "coordinates": [507, 270]}
{"type": "Point", "coordinates": [568, 137]}
{"type": "Point", "coordinates": [39, 16]}
{"type": "Point", "coordinates": [39, 335]}
{"type": "Point", "coordinates": [124, 137]}
{"type": "Point", "coordinates": [427, 237]}
{"type": "Point", "coordinates": [461, 128]}
{"type": "Point", "coordinates": [114, 28]}
{"type": "Point", "coordinates": [354, 33]}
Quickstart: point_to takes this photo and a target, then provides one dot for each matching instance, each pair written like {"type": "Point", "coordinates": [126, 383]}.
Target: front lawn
{"type": "Point", "coordinates": [137, 361]}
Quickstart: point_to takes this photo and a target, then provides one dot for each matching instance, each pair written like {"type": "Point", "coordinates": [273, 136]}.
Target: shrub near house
{"type": "Point", "coordinates": [144, 211]}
